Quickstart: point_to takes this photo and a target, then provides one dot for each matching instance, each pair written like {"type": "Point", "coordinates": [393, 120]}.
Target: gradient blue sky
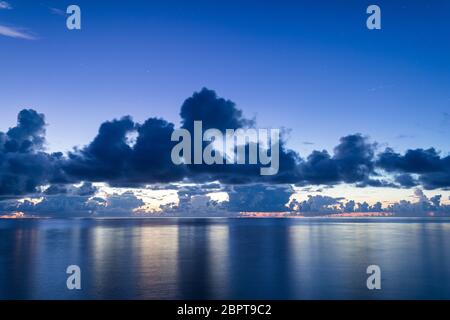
{"type": "Point", "coordinates": [311, 66]}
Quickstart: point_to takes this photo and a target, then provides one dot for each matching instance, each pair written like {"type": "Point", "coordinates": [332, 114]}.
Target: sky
{"type": "Point", "coordinates": [311, 67]}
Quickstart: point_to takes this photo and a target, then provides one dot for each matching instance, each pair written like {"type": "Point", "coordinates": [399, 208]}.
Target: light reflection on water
{"type": "Point", "coordinates": [181, 258]}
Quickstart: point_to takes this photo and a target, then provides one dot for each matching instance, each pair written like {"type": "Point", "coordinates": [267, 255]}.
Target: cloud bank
{"type": "Point", "coordinates": [112, 157]}
{"type": "Point", "coordinates": [422, 206]}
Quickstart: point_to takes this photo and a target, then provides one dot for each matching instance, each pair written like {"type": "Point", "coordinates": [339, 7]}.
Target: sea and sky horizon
{"type": "Point", "coordinates": [87, 115]}
{"type": "Point", "coordinates": [194, 113]}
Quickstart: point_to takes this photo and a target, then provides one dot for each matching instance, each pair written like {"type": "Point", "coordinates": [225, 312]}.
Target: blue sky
{"type": "Point", "coordinates": [309, 66]}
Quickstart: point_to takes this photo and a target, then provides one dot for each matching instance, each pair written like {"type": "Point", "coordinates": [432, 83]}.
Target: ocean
{"type": "Point", "coordinates": [225, 258]}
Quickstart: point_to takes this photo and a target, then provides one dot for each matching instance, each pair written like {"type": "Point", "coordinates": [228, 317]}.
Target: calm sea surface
{"type": "Point", "coordinates": [183, 258]}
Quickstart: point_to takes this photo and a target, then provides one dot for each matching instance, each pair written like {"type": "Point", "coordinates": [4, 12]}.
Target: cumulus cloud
{"type": "Point", "coordinates": [110, 158]}
{"type": "Point", "coordinates": [219, 113]}
{"type": "Point", "coordinates": [423, 206]}
{"type": "Point", "coordinates": [406, 180]}
{"type": "Point", "coordinates": [259, 197]}
{"type": "Point", "coordinates": [322, 204]}
{"type": "Point", "coordinates": [433, 170]}
{"type": "Point", "coordinates": [325, 205]}
{"type": "Point", "coordinates": [351, 162]}
{"type": "Point", "coordinates": [213, 111]}
{"type": "Point", "coordinates": [318, 204]}
{"type": "Point", "coordinates": [26, 168]}
{"type": "Point", "coordinates": [196, 202]}
{"type": "Point", "coordinates": [85, 189]}
{"type": "Point", "coordinates": [354, 157]}
{"type": "Point", "coordinates": [76, 202]}
{"type": "Point", "coordinates": [104, 159]}
{"type": "Point", "coordinates": [24, 165]}
{"type": "Point", "coordinates": [208, 200]}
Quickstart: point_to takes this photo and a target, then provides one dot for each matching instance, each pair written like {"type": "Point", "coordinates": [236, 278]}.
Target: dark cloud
{"type": "Point", "coordinates": [319, 168]}
{"type": "Point", "coordinates": [173, 186]}
{"type": "Point", "coordinates": [59, 205]}
{"type": "Point", "coordinates": [151, 161]}
{"type": "Point", "coordinates": [119, 205]}
{"type": "Point", "coordinates": [74, 203]}
{"type": "Point", "coordinates": [352, 162]}
{"type": "Point", "coordinates": [195, 201]}
{"type": "Point", "coordinates": [86, 189]}
{"type": "Point", "coordinates": [320, 205]}
{"type": "Point", "coordinates": [113, 158]}
{"type": "Point", "coordinates": [213, 111]}
{"type": "Point", "coordinates": [378, 183]}
{"type": "Point", "coordinates": [349, 206]}
{"type": "Point", "coordinates": [413, 161]}
{"type": "Point", "coordinates": [218, 113]}
{"type": "Point", "coordinates": [317, 204]}
{"type": "Point", "coordinates": [435, 180]}
{"type": "Point", "coordinates": [24, 165]}
{"type": "Point", "coordinates": [259, 198]}
{"type": "Point", "coordinates": [354, 157]}
{"type": "Point", "coordinates": [28, 135]}
{"type": "Point", "coordinates": [55, 189]}
{"type": "Point", "coordinates": [110, 158]}
{"type": "Point", "coordinates": [406, 180]}
{"type": "Point", "coordinates": [106, 157]}
{"type": "Point", "coordinates": [377, 207]}
{"type": "Point", "coordinates": [249, 173]}
{"type": "Point", "coordinates": [433, 170]}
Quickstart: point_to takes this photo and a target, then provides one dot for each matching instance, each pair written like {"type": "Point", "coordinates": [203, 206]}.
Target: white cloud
{"type": "Point", "coordinates": [57, 11]}
{"type": "Point", "coordinates": [15, 33]}
{"type": "Point", "coordinates": [5, 5]}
